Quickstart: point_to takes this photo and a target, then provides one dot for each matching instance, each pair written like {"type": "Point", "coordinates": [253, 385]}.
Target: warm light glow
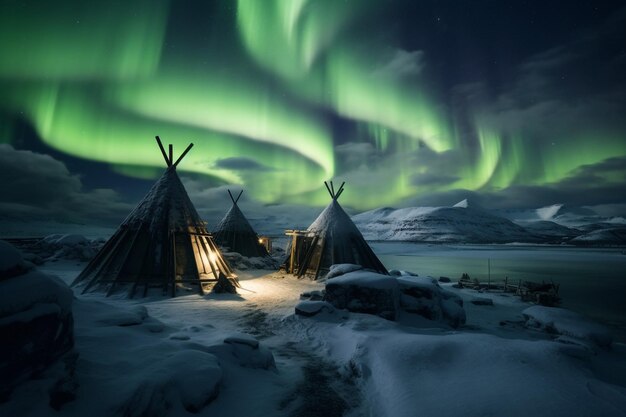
{"type": "Point", "coordinates": [261, 240]}
{"type": "Point", "coordinates": [212, 257]}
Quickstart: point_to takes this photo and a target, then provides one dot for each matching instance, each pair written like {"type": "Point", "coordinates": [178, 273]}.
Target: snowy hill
{"type": "Point", "coordinates": [463, 222]}
{"type": "Point", "coordinates": [614, 236]}
{"type": "Point", "coordinates": [550, 230]}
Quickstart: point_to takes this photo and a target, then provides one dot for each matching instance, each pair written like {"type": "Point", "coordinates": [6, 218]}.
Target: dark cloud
{"type": "Point", "coordinates": [601, 184]}
{"type": "Point", "coordinates": [240, 164]}
{"type": "Point", "coordinates": [351, 155]}
{"type": "Point", "coordinates": [39, 187]}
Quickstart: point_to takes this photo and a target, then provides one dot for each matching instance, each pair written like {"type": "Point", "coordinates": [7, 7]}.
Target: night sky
{"type": "Point", "coordinates": [512, 103]}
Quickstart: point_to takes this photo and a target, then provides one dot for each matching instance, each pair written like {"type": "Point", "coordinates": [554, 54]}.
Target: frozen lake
{"type": "Point", "coordinates": [593, 280]}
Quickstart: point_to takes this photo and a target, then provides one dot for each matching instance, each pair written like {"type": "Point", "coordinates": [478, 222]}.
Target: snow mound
{"type": "Point", "coordinates": [564, 322]}
{"type": "Point", "coordinates": [468, 374]}
{"type": "Point", "coordinates": [36, 322]}
{"type": "Point", "coordinates": [242, 350]}
{"type": "Point", "coordinates": [186, 380]}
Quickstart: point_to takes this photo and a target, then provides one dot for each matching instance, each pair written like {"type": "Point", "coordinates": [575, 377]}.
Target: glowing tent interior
{"type": "Point", "coordinates": [235, 232]}
{"type": "Point", "coordinates": [162, 244]}
{"type": "Point", "coordinates": [331, 239]}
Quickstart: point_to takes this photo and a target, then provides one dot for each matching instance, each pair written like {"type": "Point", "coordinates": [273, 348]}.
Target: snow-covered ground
{"type": "Point", "coordinates": [157, 356]}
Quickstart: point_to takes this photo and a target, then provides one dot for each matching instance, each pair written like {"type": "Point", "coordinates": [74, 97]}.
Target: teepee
{"type": "Point", "coordinates": [162, 244]}
{"type": "Point", "coordinates": [331, 239]}
{"type": "Point", "coordinates": [235, 232]}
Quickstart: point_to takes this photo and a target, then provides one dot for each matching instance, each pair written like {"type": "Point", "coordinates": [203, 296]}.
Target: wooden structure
{"type": "Point", "coordinates": [545, 294]}
{"type": "Point", "coordinates": [162, 244]}
{"type": "Point", "coordinates": [235, 232]}
{"type": "Point", "coordinates": [331, 239]}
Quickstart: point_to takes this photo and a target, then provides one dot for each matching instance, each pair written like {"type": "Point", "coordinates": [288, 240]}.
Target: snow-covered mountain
{"type": "Point", "coordinates": [550, 230]}
{"type": "Point", "coordinates": [463, 222]}
{"type": "Point", "coordinates": [558, 213]}
{"type": "Point", "coordinates": [612, 236]}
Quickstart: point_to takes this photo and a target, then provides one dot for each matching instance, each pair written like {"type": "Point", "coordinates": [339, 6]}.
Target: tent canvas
{"type": "Point", "coordinates": [331, 239]}
{"type": "Point", "coordinates": [235, 232]}
{"type": "Point", "coordinates": [162, 244]}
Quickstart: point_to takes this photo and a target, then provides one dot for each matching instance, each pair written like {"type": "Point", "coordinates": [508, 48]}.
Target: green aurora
{"type": "Point", "coordinates": [266, 82]}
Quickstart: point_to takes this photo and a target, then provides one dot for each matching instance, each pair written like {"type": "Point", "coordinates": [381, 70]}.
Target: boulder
{"type": "Point", "coordinates": [424, 296]}
{"type": "Point", "coordinates": [364, 292]}
{"type": "Point", "coordinates": [224, 285]}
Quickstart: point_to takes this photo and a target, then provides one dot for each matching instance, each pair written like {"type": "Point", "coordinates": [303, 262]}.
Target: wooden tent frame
{"type": "Point", "coordinates": [113, 266]}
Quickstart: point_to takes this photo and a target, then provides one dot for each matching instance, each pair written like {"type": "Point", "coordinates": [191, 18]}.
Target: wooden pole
{"type": "Point", "coordinates": [180, 158]}
{"type": "Point", "coordinates": [171, 152]}
{"type": "Point", "coordinates": [328, 188]}
{"type": "Point", "coordinates": [231, 197]}
{"type": "Point", "coordinates": [488, 274]}
{"type": "Point", "coordinates": [239, 196]}
{"type": "Point", "coordinates": [339, 193]}
{"type": "Point", "coordinates": [167, 161]}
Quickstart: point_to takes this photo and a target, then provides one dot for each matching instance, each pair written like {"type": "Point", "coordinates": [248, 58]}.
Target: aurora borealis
{"type": "Point", "coordinates": [406, 101]}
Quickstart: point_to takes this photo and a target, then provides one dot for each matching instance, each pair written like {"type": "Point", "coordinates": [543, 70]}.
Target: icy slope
{"type": "Point", "coordinates": [463, 222]}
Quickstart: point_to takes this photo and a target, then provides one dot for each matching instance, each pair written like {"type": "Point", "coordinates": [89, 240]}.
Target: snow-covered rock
{"type": "Point", "coordinates": [313, 308]}
{"type": "Point", "coordinates": [424, 296]}
{"type": "Point", "coordinates": [364, 292]}
{"type": "Point", "coordinates": [564, 322]}
{"type": "Point", "coordinates": [36, 322]}
{"type": "Point", "coordinates": [187, 380]}
{"type": "Point", "coordinates": [461, 223]}
{"type": "Point", "coordinates": [242, 350]}
{"type": "Point", "coordinates": [368, 292]}
{"type": "Point", "coordinates": [341, 269]}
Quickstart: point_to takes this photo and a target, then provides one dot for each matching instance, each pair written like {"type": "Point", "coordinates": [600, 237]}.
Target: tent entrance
{"type": "Point", "coordinates": [305, 254]}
